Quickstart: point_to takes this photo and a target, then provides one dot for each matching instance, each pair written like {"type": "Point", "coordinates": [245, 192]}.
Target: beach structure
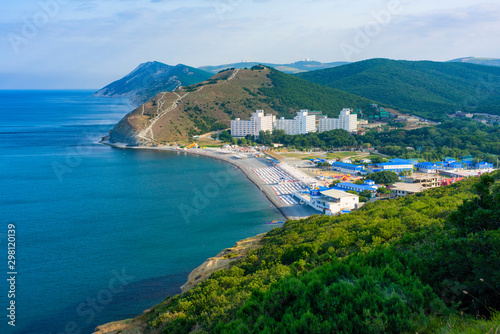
{"type": "Point", "coordinates": [484, 165]}
{"type": "Point", "coordinates": [346, 121]}
{"type": "Point", "coordinates": [404, 161]}
{"type": "Point", "coordinates": [453, 165]}
{"type": "Point", "coordinates": [302, 123]}
{"type": "Point", "coordinates": [396, 167]}
{"type": "Point", "coordinates": [426, 181]}
{"type": "Point", "coordinates": [347, 168]}
{"type": "Point", "coordinates": [400, 189]}
{"type": "Point", "coordinates": [447, 182]}
{"type": "Point", "coordinates": [367, 185]}
{"type": "Point", "coordinates": [258, 122]}
{"type": "Point", "coordinates": [428, 167]}
{"type": "Point", "coordinates": [284, 181]}
{"type": "Point", "coordinates": [330, 201]}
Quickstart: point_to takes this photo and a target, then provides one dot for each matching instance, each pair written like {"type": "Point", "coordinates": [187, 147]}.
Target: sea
{"type": "Point", "coordinates": [100, 234]}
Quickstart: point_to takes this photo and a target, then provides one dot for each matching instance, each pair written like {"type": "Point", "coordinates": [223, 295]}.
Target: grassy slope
{"type": "Point", "coordinates": [428, 89]}
{"type": "Point", "coordinates": [234, 300]}
{"type": "Point", "coordinates": [212, 104]}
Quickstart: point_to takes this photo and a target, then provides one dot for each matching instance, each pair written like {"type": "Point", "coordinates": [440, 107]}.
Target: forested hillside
{"type": "Point", "coordinates": [425, 88]}
{"type": "Point", "coordinates": [151, 78]}
{"type": "Point", "coordinates": [212, 104]}
{"type": "Point", "coordinates": [428, 263]}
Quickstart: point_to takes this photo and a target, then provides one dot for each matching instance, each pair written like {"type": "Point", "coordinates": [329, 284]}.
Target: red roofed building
{"type": "Point", "coordinates": [447, 182]}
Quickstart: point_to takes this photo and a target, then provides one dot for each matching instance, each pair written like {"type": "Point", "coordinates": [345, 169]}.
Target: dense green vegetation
{"type": "Point", "coordinates": [151, 78]}
{"type": "Point", "coordinates": [290, 94]}
{"type": "Point", "coordinates": [455, 139]}
{"type": "Point", "coordinates": [428, 89]}
{"type": "Point", "coordinates": [406, 265]}
{"type": "Point", "coordinates": [384, 177]}
{"type": "Point", "coordinates": [458, 138]}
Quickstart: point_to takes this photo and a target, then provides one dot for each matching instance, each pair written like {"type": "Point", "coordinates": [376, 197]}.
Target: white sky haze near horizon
{"type": "Point", "coordinates": [57, 44]}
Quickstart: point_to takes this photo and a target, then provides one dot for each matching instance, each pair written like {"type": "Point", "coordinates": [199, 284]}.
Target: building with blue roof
{"type": "Point", "coordinates": [428, 167]}
{"type": "Point", "coordinates": [469, 164]}
{"type": "Point", "coordinates": [318, 160]}
{"type": "Point", "coordinates": [347, 168]}
{"type": "Point", "coordinates": [402, 161]}
{"type": "Point", "coordinates": [484, 165]}
{"type": "Point", "coordinates": [396, 167]}
{"type": "Point", "coordinates": [367, 185]}
{"type": "Point", "coordinates": [454, 165]}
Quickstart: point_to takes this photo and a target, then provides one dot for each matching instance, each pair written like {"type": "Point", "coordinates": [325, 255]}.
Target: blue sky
{"type": "Point", "coordinates": [87, 44]}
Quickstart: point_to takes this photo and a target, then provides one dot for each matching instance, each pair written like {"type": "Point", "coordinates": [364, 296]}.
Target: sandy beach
{"type": "Point", "coordinates": [245, 164]}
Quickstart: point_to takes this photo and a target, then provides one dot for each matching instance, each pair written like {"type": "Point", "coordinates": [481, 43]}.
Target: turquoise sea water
{"type": "Point", "coordinates": [100, 232]}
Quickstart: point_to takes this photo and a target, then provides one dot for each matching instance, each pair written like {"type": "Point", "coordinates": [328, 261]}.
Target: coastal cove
{"type": "Point", "coordinates": [112, 214]}
{"type": "Point", "coordinates": [245, 165]}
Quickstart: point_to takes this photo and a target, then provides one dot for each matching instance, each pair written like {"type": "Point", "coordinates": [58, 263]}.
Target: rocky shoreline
{"type": "Point", "coordinates": [222, 260]}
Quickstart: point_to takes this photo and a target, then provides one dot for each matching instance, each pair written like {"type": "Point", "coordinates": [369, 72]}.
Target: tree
{"type": "Point", "coordinates": [378, 159]}
{"type": "Point", "coordinates": [265, 137]}
{"type": "Point", "coordinates": [366, 193]}
{"type": "Point", "coordinates": [225, 136]}
{"type": "Point", "coordinates": [335, 182]}
{"type": "Point", "coordinates": [384, 177]}
{"type": "Point", "coordinates": [481, 213]}
{"type": "Point", "coordinates": [383, 190]}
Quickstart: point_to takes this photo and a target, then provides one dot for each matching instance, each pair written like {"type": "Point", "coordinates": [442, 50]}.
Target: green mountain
{"type": "Point", "coordinates": [478, 61]}
{"type": "Point", "coordinates": [212, 104]}
{"type": "Point", "coordinates": [425, 88]}
{"type": "Point", "coordinates": [150, 78]}
{"type": "Point", "coordinates": [297, 67]}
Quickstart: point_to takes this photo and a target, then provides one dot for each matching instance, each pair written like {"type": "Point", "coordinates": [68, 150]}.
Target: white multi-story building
{"type": "Point", "coordinates": [329, 202]}
{"type": "Point", "coordinates": [346, 121]}
{"type": "Point", "coordinates": [302, 123]}
{"type": "Point", "coordinates": [258, 122]}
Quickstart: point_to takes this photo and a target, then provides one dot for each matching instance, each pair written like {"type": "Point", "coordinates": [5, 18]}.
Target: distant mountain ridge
{"type": "Point", "coordinates": [151, 78]}
{"type": "Point", "coordinates": [210, 105]}
{"type": "Point", "coordinates": [425, 88]}
{"type": "Point", "coordinates": [296, 67]}
{"type": "Point", "coordinates": [478, 61]}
